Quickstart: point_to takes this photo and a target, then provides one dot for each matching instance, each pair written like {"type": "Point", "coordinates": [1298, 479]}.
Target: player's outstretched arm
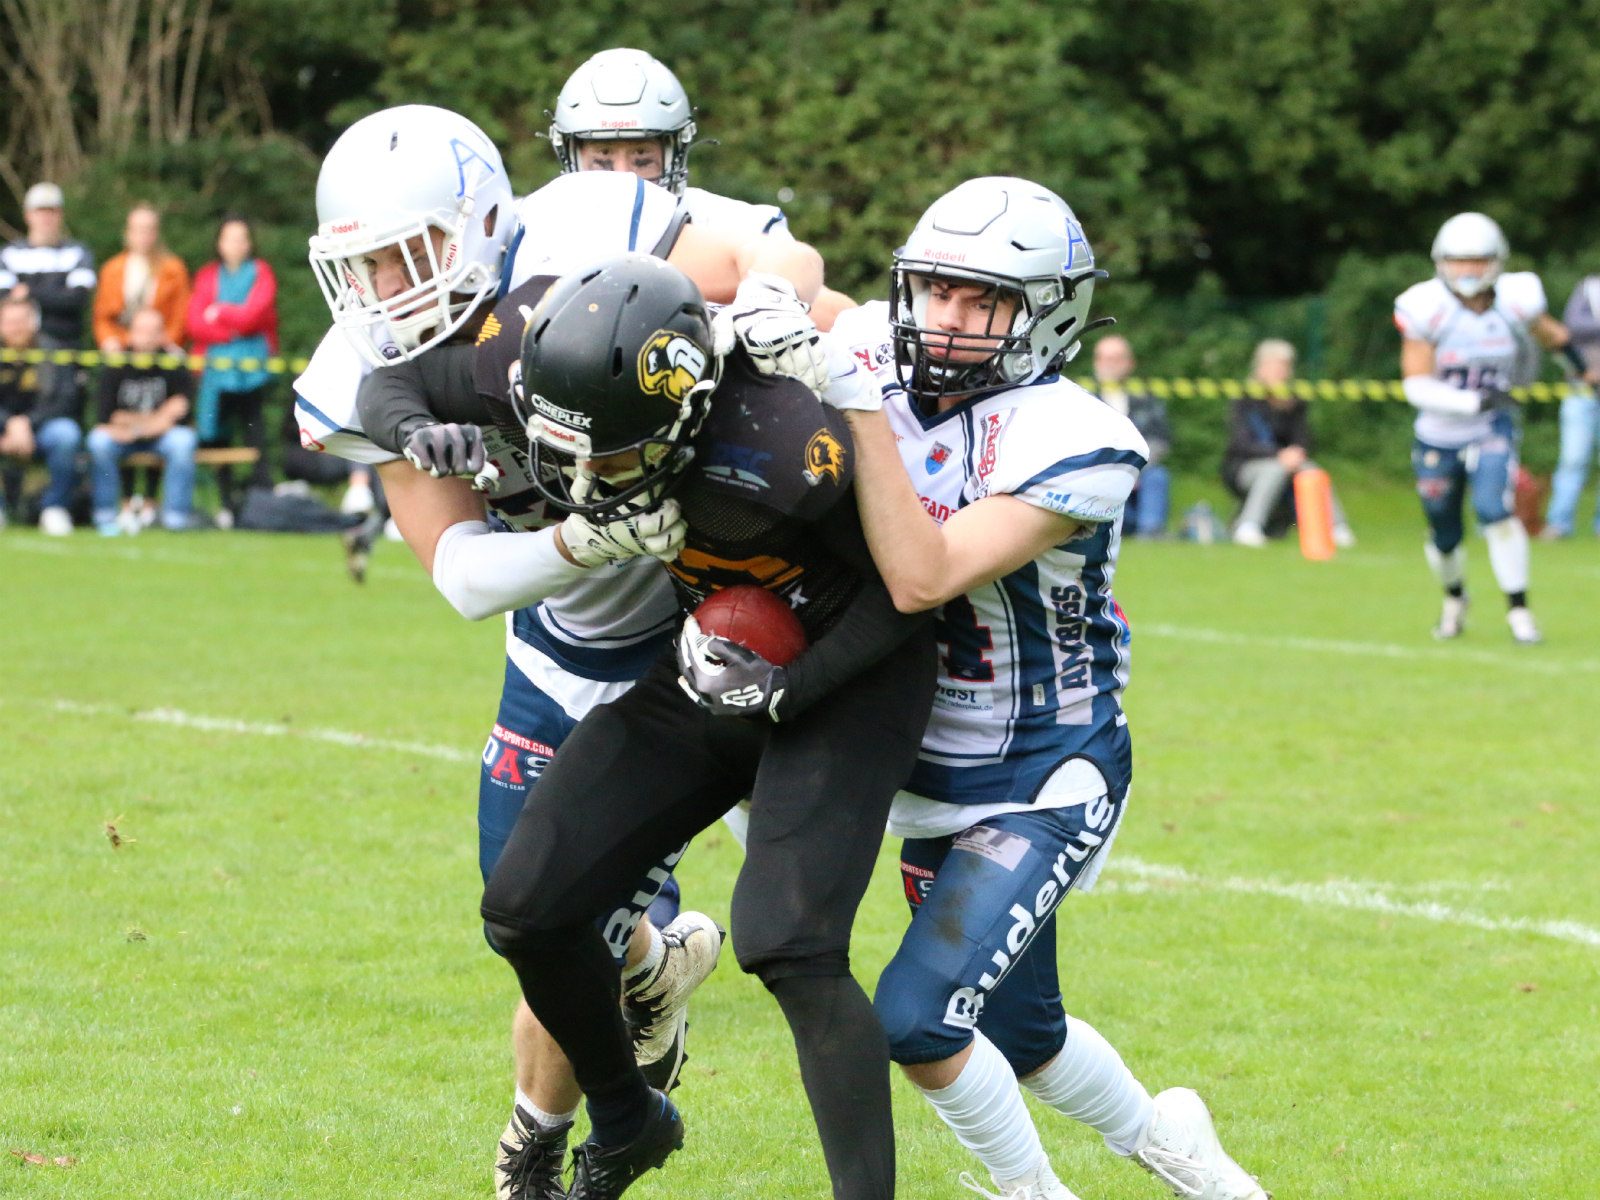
{"type": "Point", "coordinates": [923, 563]}
{"type": "Point", "coordinates": [718, 262]}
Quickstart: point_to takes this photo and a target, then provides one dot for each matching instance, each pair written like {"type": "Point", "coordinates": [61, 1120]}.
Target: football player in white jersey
{"type": "Point", "coordinates": [624, 110]}
{"type": "Point", "coordinates": [993, 489]}
{"type": "Point", "coordinates": [1468, 335]}
{"type": "Point", "coordinates": [416, 222]}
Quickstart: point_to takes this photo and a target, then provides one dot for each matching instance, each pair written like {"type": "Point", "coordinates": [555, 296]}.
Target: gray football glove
{"type": "Point", "coordinates": [656, 533]}
{"type": "Point", "coordinates": [727, 679]}
{"type": "Point", "coordinates": [776, 330]}
{"type": "Point", "coordinates": [445, 449]}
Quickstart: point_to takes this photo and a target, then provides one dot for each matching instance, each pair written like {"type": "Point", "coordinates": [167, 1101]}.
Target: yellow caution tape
{"type": "Point", "coordinates": [276, 365]}
{"type": "Point", "coordinates": [1304, 389]}
{"type": "Point", "coordinates": [1162, 389]}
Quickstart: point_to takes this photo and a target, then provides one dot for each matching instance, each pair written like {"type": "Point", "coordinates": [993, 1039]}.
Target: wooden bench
{"type": "Point", "coordinates": [214, 456]}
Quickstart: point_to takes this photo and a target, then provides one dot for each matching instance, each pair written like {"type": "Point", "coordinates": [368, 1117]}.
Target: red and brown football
{"type": "Point", "coordinates": [756, 619]}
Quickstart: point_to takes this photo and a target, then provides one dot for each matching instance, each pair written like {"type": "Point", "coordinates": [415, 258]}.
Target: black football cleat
{"type": "Point", "coordinates": [529, 1164]}
{"type": "Point", "coordinates": [605, 1172]}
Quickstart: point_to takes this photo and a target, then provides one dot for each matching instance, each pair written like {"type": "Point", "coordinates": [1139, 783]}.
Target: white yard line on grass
{"type": "Point", "coordinates": [1146, 877]}
{"type": "Point", "coordinates": [339, 737]}
{"type": "Point", "coordinates": [1528, 659]}
{"type": "Point", "coordinates": [1345, 893]}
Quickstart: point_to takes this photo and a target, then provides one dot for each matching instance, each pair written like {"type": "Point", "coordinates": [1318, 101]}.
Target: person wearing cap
{"type": "Point", "coordinates": [51, 269]}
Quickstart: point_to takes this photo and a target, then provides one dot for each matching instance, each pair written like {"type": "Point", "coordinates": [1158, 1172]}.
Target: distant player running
{"type": "Point", "coordinates": [994, 493]}
{"type": "Point", "coordinates": [1468, 335]}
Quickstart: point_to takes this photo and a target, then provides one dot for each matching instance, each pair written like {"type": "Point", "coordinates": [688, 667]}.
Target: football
{"type": "Point", "coordinates": [755, 618]}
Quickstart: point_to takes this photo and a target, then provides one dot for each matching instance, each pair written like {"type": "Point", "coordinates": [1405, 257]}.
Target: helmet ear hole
{"type": "Point", "coordinates": [616, 362]}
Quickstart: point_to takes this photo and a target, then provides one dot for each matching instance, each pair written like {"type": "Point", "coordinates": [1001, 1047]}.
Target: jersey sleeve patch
{"type": "Point", "coordinates": [1089, 487]}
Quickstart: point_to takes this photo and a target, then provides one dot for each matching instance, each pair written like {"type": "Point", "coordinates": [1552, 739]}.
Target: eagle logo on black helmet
{"type": "Point", "coordinates": [670, 365]}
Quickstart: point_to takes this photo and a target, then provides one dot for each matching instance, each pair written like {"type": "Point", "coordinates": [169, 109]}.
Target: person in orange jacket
{"type": "Point", "coordinates": [145, 275]}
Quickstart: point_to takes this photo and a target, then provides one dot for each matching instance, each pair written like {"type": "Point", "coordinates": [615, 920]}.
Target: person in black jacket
{"type": "Point", "coordinates": [51, 269]}
{"type": "Point", "coordinates": [38, 417]}
{"type": "Point", "coordinates": [144, 408]}
{"type": "Point", "coordinates": [1268, 444]}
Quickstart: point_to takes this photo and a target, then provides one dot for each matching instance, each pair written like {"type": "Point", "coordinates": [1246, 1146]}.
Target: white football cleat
{"type": "Point", "coordinates": [1249, 535]}
{"type": "Point", "coordinates": [1184, 1153]}
{"type": "Point", "coordinates": [1452, 618]}
{"type": "Point", "coordinates": [1344, 537]}
{"type": "Point", "coordinates": [357, 500]}
{"type": "Point", "coordinates": [1524, 628]}
{"type": "Point", "coordinates": [656, 1006]}
{"type": "Point", "coordinates": [55, 521]}
{"type": "Point", "coordinates": [1039, 1184]}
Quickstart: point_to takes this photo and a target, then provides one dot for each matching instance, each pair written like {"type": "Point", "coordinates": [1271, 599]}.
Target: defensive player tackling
{"type": "Point", "coordinates": [992, 490]}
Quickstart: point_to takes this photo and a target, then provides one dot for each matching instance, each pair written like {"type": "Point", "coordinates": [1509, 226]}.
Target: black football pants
{"type": "Point", "coordinates": [642, 775]}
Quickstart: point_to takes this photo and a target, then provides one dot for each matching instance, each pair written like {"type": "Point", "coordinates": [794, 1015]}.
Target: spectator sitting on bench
{"type": "Point", "coordinates": [38, 418]}
{"type": "Point", "coordinates": [144, 408]}
{"type": "Point", "coordinates": [1268, 445]}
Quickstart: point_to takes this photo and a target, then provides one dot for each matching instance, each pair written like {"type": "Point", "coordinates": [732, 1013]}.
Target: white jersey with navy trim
{"type": "Point", "coordinates": [723, 213]}
{"type": "Point", "coordinates": [608, 626]}
{"type": "Point", "coordinates": [1034, 663]}
{"type": "Point", "coordinates": [576, 219]}
{"type": "Point", "coordinates": [1491, 349]}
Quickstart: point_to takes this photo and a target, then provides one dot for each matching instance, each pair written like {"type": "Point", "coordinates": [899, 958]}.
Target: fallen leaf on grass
{"type": "Point", "coordinates": [1339, 1149]}
{"type": "Point", "coordinates": [1527, 987]}
{"type": "Point", "coordinates": [39, 1160]}
{"type": "Point", "coordinates": [1547, 807]}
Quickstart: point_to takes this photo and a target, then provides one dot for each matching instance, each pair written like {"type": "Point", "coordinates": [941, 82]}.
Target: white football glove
{"type": "Point", "coordinates": [656, 532]}
{"type": "Point", "coordinates": [850, 385]}
{"type": "Point", "coordinates": [776, 330]}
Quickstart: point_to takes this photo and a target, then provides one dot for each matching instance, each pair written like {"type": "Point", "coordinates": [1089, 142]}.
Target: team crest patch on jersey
{"type": "Point", "coordinates": [825, 457]}
{"type": "Point", "coordinates": [937, 457]}
{"type": "Point", "coordinates": [670, 365]}
{"type": "Point", "coordinates": [491, 328]}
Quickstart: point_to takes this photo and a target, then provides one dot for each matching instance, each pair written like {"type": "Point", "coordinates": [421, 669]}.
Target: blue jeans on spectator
{"type": "Point", "coordinates": [176, 447]}
{"type": "Point", "coordinates": [1148, 506]}
{"type": "Point", "coordinates": [1580, 426]}
{"type": "Point", "coordinates": [57, 442]}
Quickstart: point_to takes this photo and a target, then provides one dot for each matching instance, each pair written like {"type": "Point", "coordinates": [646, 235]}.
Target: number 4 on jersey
{"type": "Point", "coordinates": [965, 641]}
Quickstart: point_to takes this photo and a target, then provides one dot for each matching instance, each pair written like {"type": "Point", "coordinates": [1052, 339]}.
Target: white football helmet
{"type": "Point", "coordinates": [390, 180]}
{"type": "Point", "coordinates": [1469, 235]}
{"type": "Point", "coordinates": [1009, 234]}
{"type": "Point", "coordinates": [625, 94]}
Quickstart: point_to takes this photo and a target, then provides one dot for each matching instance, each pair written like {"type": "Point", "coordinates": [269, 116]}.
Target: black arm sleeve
{"type": "Point", "coordinates": [869, 627]}
{"type": "Point", "coordinates": [436, 387]}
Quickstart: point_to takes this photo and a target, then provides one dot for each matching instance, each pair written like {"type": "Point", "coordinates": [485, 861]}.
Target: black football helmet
{"type": "Point", "coordinates": [617, 372]}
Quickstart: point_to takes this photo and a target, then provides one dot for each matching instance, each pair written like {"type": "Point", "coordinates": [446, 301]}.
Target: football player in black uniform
{"type": "Point", "coordinates": [627, 405]}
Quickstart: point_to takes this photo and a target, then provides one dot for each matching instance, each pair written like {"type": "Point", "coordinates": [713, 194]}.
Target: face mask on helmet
{"type": "Point", "coordinates": [1002, 331]}
{"type": "Point", "coordinates": [615, 380]}
{"type": "Point", "coordinates": [414, 215]}
{"type": "Point", "coordinates": [1469, 253]}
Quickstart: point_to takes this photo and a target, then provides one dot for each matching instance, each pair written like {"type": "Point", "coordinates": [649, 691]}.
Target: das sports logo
{"type": "Point", "coordinates": [670, 365]}
{"type": "Point", "coordinates": [825, 457]}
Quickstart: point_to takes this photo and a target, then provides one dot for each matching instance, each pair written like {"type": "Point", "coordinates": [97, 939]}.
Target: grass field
{"type": "Point", "coordinates": [1354, 903]}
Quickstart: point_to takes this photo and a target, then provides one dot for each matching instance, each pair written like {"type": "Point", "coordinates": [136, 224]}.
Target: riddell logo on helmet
{"type": "Point", "coordinates": [944, 256]}
{"type": "Point", "coordinates": [344, 227]}
{"type": "Point", "coordinates": [619, 124]}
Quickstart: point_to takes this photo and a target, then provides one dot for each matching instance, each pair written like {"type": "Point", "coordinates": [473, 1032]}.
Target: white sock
{"type": "Point", "coordinates": [651, 959]}
{"type": "Point", "coordinates": [1089, 1082]}
{"type": "Point", "coordinates": [985, 1110]}
{"type": "Point", "coordinates": [542, 1119]}
{"type": "Point", "coordinates": [1449, 569]}
{"type": "Point", "coordinates": [1508, 554]}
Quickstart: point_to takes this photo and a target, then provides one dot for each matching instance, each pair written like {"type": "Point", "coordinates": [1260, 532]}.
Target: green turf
{"type": "Point", "coordinates": [277, 987]}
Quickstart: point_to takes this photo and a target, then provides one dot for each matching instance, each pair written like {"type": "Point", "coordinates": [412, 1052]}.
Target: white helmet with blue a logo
{"type": "Point", "coordinates": [1017, 237]}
